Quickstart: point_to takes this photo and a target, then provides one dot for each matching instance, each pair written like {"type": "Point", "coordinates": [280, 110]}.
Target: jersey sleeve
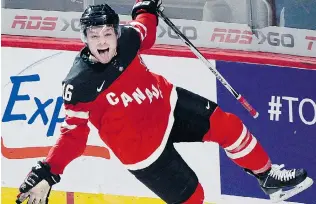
{"type": "Point", "coordinates": [73, 138]}
{"type": "Point", "coordinates": [146, 26]}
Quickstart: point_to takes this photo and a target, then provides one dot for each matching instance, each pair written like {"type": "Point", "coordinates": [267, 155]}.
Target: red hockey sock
{"type": "Point", "coordinates": [240, 145]}
{"type": "Point", "coordinates": [197, 197]}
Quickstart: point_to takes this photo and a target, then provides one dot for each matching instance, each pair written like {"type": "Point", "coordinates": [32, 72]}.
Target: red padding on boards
{"type": "Point", "coordinates": [169, 50]}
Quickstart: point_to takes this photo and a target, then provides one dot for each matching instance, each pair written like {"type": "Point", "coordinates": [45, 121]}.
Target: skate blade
{"type": "Point", "coordinates": [283, 195]}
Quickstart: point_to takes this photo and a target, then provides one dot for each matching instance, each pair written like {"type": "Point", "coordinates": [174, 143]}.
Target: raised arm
{"type": "Point", "coordinates": [145, 21]}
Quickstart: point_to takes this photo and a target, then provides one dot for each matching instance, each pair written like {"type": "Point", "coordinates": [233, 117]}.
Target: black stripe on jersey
{"type": "Point", "coordinates": [87, 78]}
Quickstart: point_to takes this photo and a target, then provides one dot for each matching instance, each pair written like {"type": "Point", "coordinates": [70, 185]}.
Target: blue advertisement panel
{"type": "Point", "coordinates": [286, 100]}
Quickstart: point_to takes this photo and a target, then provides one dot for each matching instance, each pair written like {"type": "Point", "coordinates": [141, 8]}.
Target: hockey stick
{"type": "Point", "coordinates": [239, 97]}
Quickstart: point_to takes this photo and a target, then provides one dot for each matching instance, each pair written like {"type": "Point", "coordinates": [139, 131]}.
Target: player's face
{"type": "Point", "coordinates": [102, 42]}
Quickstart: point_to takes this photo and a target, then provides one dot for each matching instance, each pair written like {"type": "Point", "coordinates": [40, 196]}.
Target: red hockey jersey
{"type": "Point", "coordinates": [131, 107]}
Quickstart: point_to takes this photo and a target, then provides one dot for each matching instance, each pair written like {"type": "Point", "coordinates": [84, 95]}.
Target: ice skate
{"type": "Point", "coordinates": [281, 184]}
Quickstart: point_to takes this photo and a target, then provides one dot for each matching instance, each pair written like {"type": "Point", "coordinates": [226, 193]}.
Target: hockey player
{"type": "Point", "coordinates": [140, 115]}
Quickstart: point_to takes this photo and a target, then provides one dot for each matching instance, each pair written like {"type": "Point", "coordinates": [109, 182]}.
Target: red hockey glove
{"type": "Point", "coordinates": [37, 185]}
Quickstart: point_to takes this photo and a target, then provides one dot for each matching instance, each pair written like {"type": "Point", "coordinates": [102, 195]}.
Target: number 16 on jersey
{"type": "Point", "coordinates": [67, 88]}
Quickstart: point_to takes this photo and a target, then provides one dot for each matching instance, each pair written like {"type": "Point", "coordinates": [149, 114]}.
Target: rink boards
{"type": "Point", "coordinates": [32, 114]}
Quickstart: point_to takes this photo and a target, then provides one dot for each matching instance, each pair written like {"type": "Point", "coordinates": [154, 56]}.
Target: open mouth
{"type": "Point", "coordinates": [102, 51]}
